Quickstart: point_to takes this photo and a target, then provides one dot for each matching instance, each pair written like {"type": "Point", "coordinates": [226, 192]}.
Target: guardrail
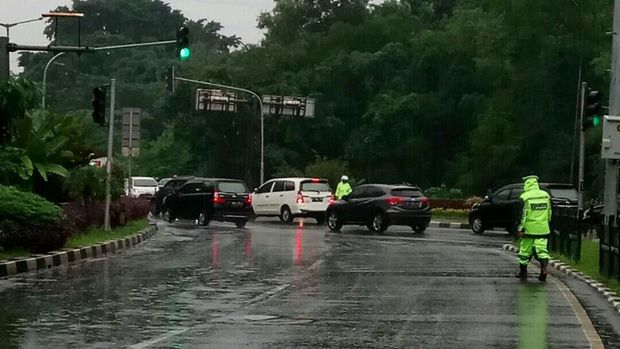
{"type": "Point", "coordinates": [566, 232]}
{"type": "Point", "coordinates": [609, 248]}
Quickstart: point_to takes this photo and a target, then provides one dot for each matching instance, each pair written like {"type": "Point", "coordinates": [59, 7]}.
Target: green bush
{"type": "Point", "coordinates": [443, 192]}
{"type": "Point", "coordinates": [26, 208]}
{"type": "Point", "coordinates": [30, 222]}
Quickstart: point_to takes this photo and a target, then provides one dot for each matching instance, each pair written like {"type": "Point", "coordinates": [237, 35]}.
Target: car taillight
{"type": "Point", "coordinates": [332, 199]}
{"type": "Point", "coordinates": [424, 201]}
{"type": "Point", "coordinates": [394, 200]}
{"type": "Point", "coordinates": [217, 198]}
{"type": "Point", "coordinates": [300, 198]}
{"type": "Point", "coordinates": [248, 200]}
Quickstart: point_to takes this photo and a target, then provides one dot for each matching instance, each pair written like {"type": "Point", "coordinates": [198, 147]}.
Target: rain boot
{"type": "Point", "coordinates": [522, 272]}
{"type": "Point", "coordinates": [543, 271]}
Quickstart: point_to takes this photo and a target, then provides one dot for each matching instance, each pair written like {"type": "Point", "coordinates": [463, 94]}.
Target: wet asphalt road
{"type": "Point", "coordinates": [276, 285]}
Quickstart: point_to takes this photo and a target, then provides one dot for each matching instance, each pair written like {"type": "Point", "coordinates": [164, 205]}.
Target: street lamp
{"type": "Point", "coordinates": [45, 77]}
{"type": "Point", "coordinates": [7, 26]}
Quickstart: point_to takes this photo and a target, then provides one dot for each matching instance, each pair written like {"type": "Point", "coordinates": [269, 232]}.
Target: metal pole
{"type": "Point", "coordinates": [582, 147]}
{"type": "Point", "coordinates": [611, 168]}
{"type": "Point", "coordinates": [108, 178]}
{"type": "Point", "coordinates": [4, 59]}
{"type": "Point", "coordinates": [572, 158]}
{"type": "Point", "coordinates": [130, 146]}
{"type": "Point", "coordinates": [262, 118]}
{"type": "Point", "coordinates": [45, 77]}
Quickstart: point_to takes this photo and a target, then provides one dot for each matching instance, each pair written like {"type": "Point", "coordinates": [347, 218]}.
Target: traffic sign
{"type": "Point", "coordinates": [217, 100]}
{"type": "Point", "coordinates": [610, 145]}
{"type": "Point", "coordinates": [288, 106]}
{"type": "Point", "coordinates": [131, 131]}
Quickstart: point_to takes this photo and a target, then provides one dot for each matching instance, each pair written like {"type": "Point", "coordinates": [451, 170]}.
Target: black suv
{"type": "Point", "coordinates": [377, 206]}
{"type": "Point", "coordinates": [172, 185]}
{"type": "Point", "coordinates": [206, 199]}
{"type": "Point", "coordinates": [502, 208]}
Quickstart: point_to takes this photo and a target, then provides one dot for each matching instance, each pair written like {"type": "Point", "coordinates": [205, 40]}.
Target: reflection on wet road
{"type": "Point", "coordinates": [277, 285]}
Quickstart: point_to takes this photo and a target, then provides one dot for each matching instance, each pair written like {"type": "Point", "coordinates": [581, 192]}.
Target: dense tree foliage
{"type": "Point", "coordinates": [470, 93]}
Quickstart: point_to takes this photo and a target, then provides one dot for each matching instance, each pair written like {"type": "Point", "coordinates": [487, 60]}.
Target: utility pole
{"type": "Point", "coordinates": [108, 178]}
{"type": "Point", "coordinates": [611, 166]}
{"type": "Point", "coordinates": [4, 58]}
{"type": "Point", "coordinates": [582, 147]}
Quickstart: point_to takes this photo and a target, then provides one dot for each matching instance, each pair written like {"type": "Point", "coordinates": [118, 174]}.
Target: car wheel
{"type": "Point", "coordinates": [476, 225]}
{"type": "Point", "coordinates": [167, 215]}
{"type": "Point", "coordinates": [333, 221]}
{"type": "Point", "coordinates": [203, 220]}
{"type": "Point", "coordinates": [320, 219]}
{"type": "Point", "coordinates": [379, 223]}
{"type": "Point", "coordinates": [241, 223]}
{"type": "Point", "coordinates": [286, 215]}
{"type": "Point", "coordinates": [154, 209]}
{"type": "Point", "coordinates": [419, 229]}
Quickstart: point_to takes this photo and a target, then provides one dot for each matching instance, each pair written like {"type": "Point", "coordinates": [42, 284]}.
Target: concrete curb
{"type": "Point", "coordinates": [450, 225]}
{"type": "Point", "coordinates": [66, 256]}
{"type": "Point", "coordinates": [610, 295]}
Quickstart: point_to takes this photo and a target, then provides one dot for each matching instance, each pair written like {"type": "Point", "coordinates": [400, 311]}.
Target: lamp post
{"type": "Point", "coordinates": [45, 77]}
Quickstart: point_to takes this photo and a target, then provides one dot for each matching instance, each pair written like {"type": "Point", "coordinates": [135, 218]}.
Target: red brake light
{"type": "Point", "coordinates": [394, 200]}
{"type": "Point", "coordinates": [315, 180]}
{"type": "Point", "coordinates": [248, 200]}
{"type": "Point", "coordinates": [332, 199]}
{"type": "Point", "coordinates": [217, 199]}
{"type": "Point", "coordinates": [300, 198]}
{"type": "Point", "coordinates": [424, 200]}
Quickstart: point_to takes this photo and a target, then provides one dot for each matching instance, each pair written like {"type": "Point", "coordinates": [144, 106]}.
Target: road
{"type": "Point", "coordinates": [275, 285]}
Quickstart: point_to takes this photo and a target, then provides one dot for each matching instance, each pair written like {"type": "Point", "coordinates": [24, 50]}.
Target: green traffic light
{"type": "Point", "coordinates": [184, 53]}
{"type": "Point", "coordinates": [596, 120]}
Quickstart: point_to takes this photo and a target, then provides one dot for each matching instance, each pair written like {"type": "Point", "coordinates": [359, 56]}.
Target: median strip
{"type": "Point", "coordinates": [74, 252]}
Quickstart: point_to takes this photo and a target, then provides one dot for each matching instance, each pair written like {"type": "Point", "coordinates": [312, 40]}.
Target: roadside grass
{"type": "Point", "coordinates": [8, 254]}
{"type": "Point", "coordinates": [91, 237]}
{"type": "Point", "coordinates": [97, 235]}
{"type": "Point", "coordinates": [458, 217]}
{"type": "Point", "coordinates": [589, 264]}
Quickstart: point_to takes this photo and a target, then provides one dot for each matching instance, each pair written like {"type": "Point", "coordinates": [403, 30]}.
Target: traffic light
{"type": "Point", "coordinates": [183, 51]}
{"type": "Point", "coordinates": [170, 79]}
{"type": "Point", "coordinates": [592, 112]}
{"type": "Point", "coordinates": [99, 105]}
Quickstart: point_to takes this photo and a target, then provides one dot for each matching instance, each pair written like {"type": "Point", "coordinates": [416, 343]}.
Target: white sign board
{"type": "Point", "coordinates": [216, 100]}
{"type": "Point", "coordinates": [288, 106]}
{"type": "Point", "coordinates": [610, 146]}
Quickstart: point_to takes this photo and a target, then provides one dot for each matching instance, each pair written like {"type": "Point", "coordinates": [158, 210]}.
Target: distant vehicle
{"type": "Point", "coordinates": [170, 185]}
{"type": "Point", "coordinates": [288, 198]}
{"type": "Point", "coordinates": [377, 206]}
{"type": "Point", "coordinates": [501, 209]}
{"type": "Point", "coordinates": [207, 199]}
{"type": "Point", "coordinates": [144, 187]}
{"type": "Point", "coordinates": [593, 214]}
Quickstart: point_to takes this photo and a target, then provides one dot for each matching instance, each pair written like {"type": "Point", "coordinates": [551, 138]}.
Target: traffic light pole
{"type": "Point", "coordinates": [582, 147]}
{"type": "Point", "coordinates": [108, 166]}
{"type": "Point", "coordinates": [611, 166]}
{"type": "Point", "coordinates": [262, 117]}
{"type": "Point", "coordinates": [4, 58]}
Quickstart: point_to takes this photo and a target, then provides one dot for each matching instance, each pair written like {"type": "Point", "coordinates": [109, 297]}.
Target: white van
{"type": "Point", "coordinates": [140, 187]}
{"type": "Point", "coordinates": [288, 198]}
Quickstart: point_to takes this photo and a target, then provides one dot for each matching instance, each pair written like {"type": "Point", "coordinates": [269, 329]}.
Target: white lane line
{"type": "Point", "coordinates": [156, 340]}
{"type": "Point", "coordinates": [315, 265]}
{"type": "Point", "coordinates": [269, 294]}
{"type": "Point", "coordinates": [586, 324]}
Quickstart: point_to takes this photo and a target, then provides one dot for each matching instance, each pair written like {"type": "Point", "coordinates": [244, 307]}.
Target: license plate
{"type": "Point", "coordinates": [236, 203]}
{"type": "Point", "coordinates": [317, 199]}
{"type": "Point", "coordinates": [413, 205]}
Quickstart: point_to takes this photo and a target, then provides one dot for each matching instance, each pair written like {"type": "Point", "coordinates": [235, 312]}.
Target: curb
{"type": "Point", "coordinates": [450, 225]}
{"type": "Point", "coordinates": [56, 258]}
{"type": "Point", "coordinates": [611, 296]}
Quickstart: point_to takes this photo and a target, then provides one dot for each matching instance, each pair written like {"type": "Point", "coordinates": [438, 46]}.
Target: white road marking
{"type": "Point", "coordinates": [156, 340]}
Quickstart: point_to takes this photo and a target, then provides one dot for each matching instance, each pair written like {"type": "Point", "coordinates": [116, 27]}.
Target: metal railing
{"type": "Point", "coordinates": [566, 232]}
{"type": "Point", "coordinates": [609, 248]}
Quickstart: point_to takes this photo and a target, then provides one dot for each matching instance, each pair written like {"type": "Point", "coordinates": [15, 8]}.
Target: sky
{"type": "Point", "coordinates": [239, 17]}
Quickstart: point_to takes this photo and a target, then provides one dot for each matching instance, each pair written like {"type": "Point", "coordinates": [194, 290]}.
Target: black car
{"type": "Point", "coordinates": [172, 185]}
{"type": "Point", "coordinates": [378, 206]}
{"type": "Point", "coordinates": [502, 208]}
{"type": "Point", "coordinates": [206, 199]}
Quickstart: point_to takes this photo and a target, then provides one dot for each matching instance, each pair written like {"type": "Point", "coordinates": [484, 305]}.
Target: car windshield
{"type": "Point", "coordinates": [144, 182]}
{"type": "Point", "coordinates": [407, 192]}
{"type": "Point", "coordinates": [164, 181]}
{"type": "Point", "coordinates": [232, 187]}
{"type": "Point", "coordinates": [564, 193]}
{"type": "Point", "coordinates": [315, 186]}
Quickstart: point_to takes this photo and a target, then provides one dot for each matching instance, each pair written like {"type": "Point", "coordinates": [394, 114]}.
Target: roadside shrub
{"type": "Point", "coordinates": [91, 214]}
{"type": "Point", "coordinates": [30, 222]}
{"type": "Point", "coordinates": [470, 201]}
{"type": "Point", "coordinates": [443, 192]}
